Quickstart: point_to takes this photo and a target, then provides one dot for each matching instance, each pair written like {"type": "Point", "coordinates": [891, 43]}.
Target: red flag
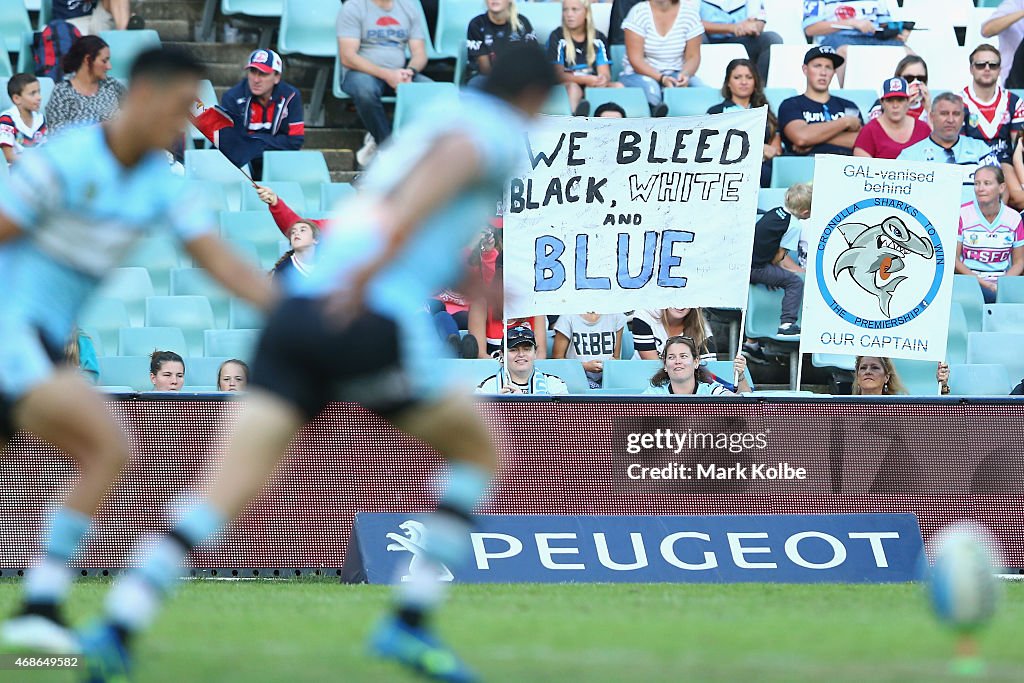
{"type": "Point", "coordinates": [209, 120]}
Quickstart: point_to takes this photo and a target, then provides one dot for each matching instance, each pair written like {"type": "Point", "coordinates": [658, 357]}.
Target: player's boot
{"type": "Point", "coordinates": [106, 655]}
{"type": "Point", "coordinates": [39, 629]}
{"type": "Point", "coordinates": [416, 649]}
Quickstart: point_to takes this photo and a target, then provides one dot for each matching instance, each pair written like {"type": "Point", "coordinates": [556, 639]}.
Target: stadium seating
{"type": "Point", "coordinates": [288, 190]}
{"type": "Point", "coordinates": [471, 371]}
{"type": "Point", "coordinates": [415, 98]}
{"type": "Point", "coordinates": [602, 12]}
{"type": "Point", "coordinates": [103, 318]}
{"type": "Point", "coordinates": [630, 99]}
{"type": "Point", "coordinates": [1004, 318]}
{"type": "Point", "coordinates": [763, 306]}
{"type": "Point", "coordinates": [124, 45]}
{"type": "Point", "coordinates": [632, 374]}
{"type": "Point", "coordinates": [776, 96]}
{"type": "Point", "coordinates": [252, 8]}
{"type": "Point", "coordinates": [784, 19]}
{"type": "Point", "coordinates": [956, 338]}
{"type": "Point", "coordinates": [990, 379]}
{"type": "Point", "coordinates": [132, 286]}
{"type": "Point", "coordinates": [127, 371]}
{"type": "Point", "coordinates": [997, 347]}
{"type": "Point", "coordinates": [933, 14]}
{"type": "Point", "coordinates": [789, 170]}
{"type": "Point", "coordinates": [14, 23]}
{"type": "Point", "coordinates": [570, 370]}
{"type": "Point", "coordinates": [246, 251]}
{"type": "Point", "coordinates": [210, 166]}
{"type": "Point", "coordinates": [307, 28]}
{"type": "Point", "coordinates": [210, 194]}
{"type": "Point", "coordinates": [142, 341]}
{"type": "Point", "coordinates": [723, 370]}
{"type": "Point", "coordinates": [196, 282]}
{"type": "Point", "coordinates": [617, 53]}
{"type": "Point", "coordinates": [192, 314]}
{"type": "Point", "coordinates": [453, 17]}
{"type": "Point", "coordinates": [918, 376]}
{"type": "Point", "coordinates": [1010, 290]}
{"type": "Point", "coordinates": [201, 371]}
{"type": "Point", "coordinates": [308, 168]}
{"type": "Point", "coordinates": [558, 103]}
{"type": "Point", "coordinates": [332, 193]}
{"type": "Point", "coordinates": [242, 316]}
{"type": "Point", "coordinates": [230, 343]}
{"type": "Point", "coordinates": [714, 58]}
{"type": "Point", "coordinates": [976, 18]}
{"type": "Point", "coordinates": [868, 65]}
{"type": "Point", "coordinates": [834, 360]}
{"type": "Point", "coordinates": [769, 198]}
{"type": "Point", "coordinates": [786, 67]}
{"type": "Point", "coordinates": [690, 101]}
{"type": "Point", "coordinates": [967, 293]}
{"type": "Point", "coordinates": [159, 254]}
{"type": "Point", "coordinates": [864, 99]}
{"type": "Point", "coordinates": [544, 16]}
{"type": "Point", "coordinates": [948, 69]}
{"type": "Point", "coordinates": [257, 227]}
{"type": "Point", "coordinates": [6, 69]}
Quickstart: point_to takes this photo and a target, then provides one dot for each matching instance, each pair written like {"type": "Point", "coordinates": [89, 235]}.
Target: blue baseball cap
{"type": "Point", "coordinates": [895, 87]}
{"type": "Point", "coordinates": [266, 61]}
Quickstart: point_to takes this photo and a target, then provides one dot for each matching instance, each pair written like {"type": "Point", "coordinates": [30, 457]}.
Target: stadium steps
{"type": "Point", "coordinates": [158, 10]}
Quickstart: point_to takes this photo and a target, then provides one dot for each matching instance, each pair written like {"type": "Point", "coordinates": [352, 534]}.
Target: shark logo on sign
{"type": "Point", "coordinates": [412, 542]}
{"type": "Point", "coordinates": [876, 253]}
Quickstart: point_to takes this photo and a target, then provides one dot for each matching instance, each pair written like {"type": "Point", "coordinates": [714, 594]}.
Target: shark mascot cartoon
{"type": "Point", "coordinates": [876, 253]}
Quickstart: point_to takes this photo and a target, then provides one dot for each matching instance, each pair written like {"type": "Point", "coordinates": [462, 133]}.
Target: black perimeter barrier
{"type": "Point", "coordinates": [943, 459]}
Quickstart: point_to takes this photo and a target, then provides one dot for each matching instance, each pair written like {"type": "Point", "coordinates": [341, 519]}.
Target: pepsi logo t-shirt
{"type": "Point", "coordinates": [383, 34]}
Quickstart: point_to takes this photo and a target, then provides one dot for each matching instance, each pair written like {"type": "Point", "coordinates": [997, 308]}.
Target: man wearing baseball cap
{"type": "Point", "coordinates": [818, 122]}
{"type": "Point", "coordinates": [519, 376]}
{"type": "Point", "coordinates": [895, 130]}
{"type": "Point", "coordinates": [266, 111]}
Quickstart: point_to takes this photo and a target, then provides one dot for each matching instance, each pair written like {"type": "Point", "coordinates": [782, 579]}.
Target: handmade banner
{"type": "Point", "coordinates": [612, 215]}
{"type": "Point", "coordinates": [882, 251]}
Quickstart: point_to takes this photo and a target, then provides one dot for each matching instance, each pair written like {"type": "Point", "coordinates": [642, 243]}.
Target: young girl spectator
{"type": "Point", "coordinates": [681, 373]}
{"type": "Point", "coordinates": [663, 40]}
{"type": "Point", "coordinates": [233, 375]}
{"type": "Point", "coordinates": [743, 89]}
{"type": "Point", "coordinates": [653, 326]}
{"type": "Point", "coordinates": [990, 244]}
{"type": "Point", "coordinates": [582, 52]}
{"type": "Point", "coordinates": [283, 214]}
{"type": "Point", "coordinates": [88, 95]}
{"type": "Point", "coordinates": [489, 32]}
{"type": "Point", "coordinates": [914, 71]}
{"type": "Point", "coordinates": [303, 237]}
{"type": "Point", "coordinates": [592, 338]}
{"type": "Point", "coordinates": [166, 371]}
{"type": "Point", "coordinates": [893, 131]}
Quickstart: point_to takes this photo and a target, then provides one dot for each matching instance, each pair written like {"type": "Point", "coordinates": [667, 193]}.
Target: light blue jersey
{"type": "Point", "coordinates": [731, 11]}
{"type": "Point", "coordinates": [81, 212]}
{"type": "Point", "coordinates": [703, 389]}
{"type": "Point", "coordinates": [970, 153]}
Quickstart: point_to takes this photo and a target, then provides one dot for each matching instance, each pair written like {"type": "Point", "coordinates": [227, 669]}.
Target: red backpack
{"type": "Point", "coordinates": [49, 47]}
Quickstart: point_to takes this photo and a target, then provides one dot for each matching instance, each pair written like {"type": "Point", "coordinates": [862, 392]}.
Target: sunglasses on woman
{"type": "Point", "coordinates": [911, 79]}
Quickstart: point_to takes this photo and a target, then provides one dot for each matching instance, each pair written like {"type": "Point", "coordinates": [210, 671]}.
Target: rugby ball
{"type": "Point", "coordinates": [962, 583]}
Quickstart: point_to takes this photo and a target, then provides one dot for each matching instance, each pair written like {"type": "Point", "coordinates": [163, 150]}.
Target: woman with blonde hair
{"type": "Point", "coordinates": [876, 376]}
{"type": "Point", "coordinates": [582, 52]}
{"type": "Point", "coordinates": [490, 32]}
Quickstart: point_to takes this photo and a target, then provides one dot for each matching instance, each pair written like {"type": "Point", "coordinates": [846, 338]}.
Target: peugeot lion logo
{"type": "Point", "coordinates": [876, 253]}
{"type": "Point", "coordinates": [412, 542]}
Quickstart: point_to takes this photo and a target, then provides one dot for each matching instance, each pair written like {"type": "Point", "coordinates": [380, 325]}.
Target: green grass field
{"type": "Point", "coordinates": [298, 631]}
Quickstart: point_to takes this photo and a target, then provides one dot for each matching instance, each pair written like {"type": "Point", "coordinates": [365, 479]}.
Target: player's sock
{"type": "Point", "coordinates": [136, 597]}
{"type": "Point", "coordinates": [47, 584]}
{"type": "Point", "coordinates": [446, 542]}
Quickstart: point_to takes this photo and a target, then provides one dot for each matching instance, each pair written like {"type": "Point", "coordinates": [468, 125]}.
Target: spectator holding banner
{"type": "Point", "coordinates": [489, 33]}
{"type": "Point", "coordinates": [663, 39]}
{"type": "Point", "coordinates": [874, 376]}
{"type": "Point", "coordinates": [945, 144]}
{"type": "Point", "coordinates": [743, 89]}
{"type": "Point", "coordinates": [895, 130]}
{"type": "Point", "coordinates": [817, 122]}
{"type": "Point", "coordinates": [519, 375]}
{"type": "Point", "coordinates": [652, 327]}
{"type": "Point", "coordinates": [914, 71]}
{"type": "Point", "coordinates": [682, 373]}
{"type": "Point", "coordinates": [990, 244]}
{"type": "Point", "coordinates": [742, 22]}
{"type": "Point", "coordinates": [582, 53]}
{"type": "Point", "coordinates": [592, 338]}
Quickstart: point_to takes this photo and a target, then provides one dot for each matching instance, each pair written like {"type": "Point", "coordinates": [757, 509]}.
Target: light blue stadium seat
{"type": "Point", "coordinates": [307, 28]}
{"type": "Point", "coordinates": [770, 198]}
{"type": "Point", "coordinates": [763, 308]}
{"type": "Point", "coordinates": [115, 389]}
{"type": "Point", "coordinates": [210, 194]}
{"type": "Point", "coordinates": [413, 98]}
{"type": "Point", "coordinates": [723, 370]}
{"type": "Point", "coordinates": [862, 98]}
{"type": "Point", "coordinates": [632, 100]}
{"type": "Point", "coordinates": [997, 347]}
{"type": "Point", "coordinates": [1004, 318]}
{"type": "Point", "coordinates": [126, 371]}
{"type": "Point", "coordinates": [132, 286]}
{"type": "Point", "coordinates": [45, 11]}
{"type": "Point", "coordinates": [125, 45]}
{"type": "Point", "coordinates": [14, 23]}
{"type": "Point", "coordinates": [558, 103]}
{"type": "Point", "coordinates": [1010, 290]}
{"type": "Point", "coordinates": [104, 317]}
{"type": "Point", "coordinates": [569, 370]}
{"type": "Point", "coordinates": [918, 376]}
{"type": "Point", "coordinates": [545, 17]}
{"type": "Point", "coordinates": [332, 193]}
{"type": "Point", "coordinates": [242, 316]}
{"type": "Point", "coordinates": [777, 96]}
{"type": "Point", "coordinates": [628, 348]}
{"type": "Point", "coordinates": [469, 371]}
{"type": "Point", "coordinates": [252, 8]}
{"type": "Point", "coordinates": [339, 76]}
{"type": "Point", "coordinates": [192, 314]}
{"type": "Point", "coordinates": [988, 379]}
{"type": "Point", "coordinates": [246, 250]}
{"type": "Point", "coordinates": [690, 101]}
{"type": "Point", "coordinates": [290, 191]}
{"type": "Point", "coordinates": [956, 338]}
{"type": "Point", "coordinates": [197, 282]}
{"type": "Point", "coordinates": [833, 360]}
{"type": "Point", "coordinates": [6, 68]}
{"type": "Point", "coordinates": [230, 343]}
{"type": "Point", "coordinates": [617, 53]}
{"type": "Point", "coordinates": [261, 11]}
{"type": "Point", "coordinates": [308, 168]}
{"type": "Point", "coordinates": [212, 167]}
{"type": "Point", "coordinates": [453, 17]}
{"type": "Point", "coordinates": [257, 227]}
{"type": "Point", "coordinates": [142, 341]}
{"type": "Point", "coordinates": [967, 293]}
{"type": "Point", "coordinates": [632, 374]}
{"type": "Point", "coordinates": [789, 170]}
{"type": "Point", "coordinates": [201, 371]}
{"type": "Point", "coordinates": [159, 254]}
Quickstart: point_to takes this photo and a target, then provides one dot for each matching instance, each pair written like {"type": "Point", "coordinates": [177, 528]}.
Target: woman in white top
{"type": "Point", "coordinates": [663, 40]}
